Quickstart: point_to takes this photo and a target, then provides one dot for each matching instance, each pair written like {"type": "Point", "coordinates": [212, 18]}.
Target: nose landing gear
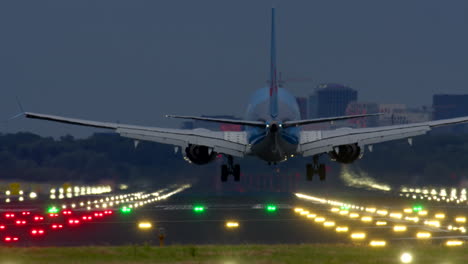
{"type": "Point", "coordinates": [230, 169]}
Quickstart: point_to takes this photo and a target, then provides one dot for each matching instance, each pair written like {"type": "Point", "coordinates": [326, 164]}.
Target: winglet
{"type": "Point", "coordinates": [273, 70]}
{"type": "Point", "coordinates": [22, 112]}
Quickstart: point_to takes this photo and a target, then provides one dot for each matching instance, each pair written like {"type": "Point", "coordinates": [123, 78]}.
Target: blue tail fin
{"type": "Point", "coordinates": [273, 71]}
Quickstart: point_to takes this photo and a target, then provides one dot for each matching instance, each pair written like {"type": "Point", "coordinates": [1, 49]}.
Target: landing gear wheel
{"type": "Point", "coordinates": [236, 172]}
{"type": "Point", "coordinates": [322, 172]}
{"type": "Point", "coordinates": [224, 173]}
{"type": "Point", "coordinates": [309, 172]}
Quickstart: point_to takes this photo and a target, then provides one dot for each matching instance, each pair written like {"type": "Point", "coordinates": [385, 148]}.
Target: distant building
{"type": "Point", "coordinates": [359, 108]}
{"type": "Point", "coordinates": [213, 125]}
{"type": "Point", "coordinates": [398, 114]}
{"type": "Point", "coordinates": [302, 102]}
{"type": "Point", "coordinates": [333, 99]}
{"type": "Point", "coordinates": [449, 105]}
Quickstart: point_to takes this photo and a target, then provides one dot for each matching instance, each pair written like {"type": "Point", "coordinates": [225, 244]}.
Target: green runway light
{"type": "Point", "coordinates": [417, 208]}
{"type": "Point", "coordinates": [198, 209]}
{"type": "Point", "coordinates": [125, 210]}
{"type": "Point", "coordinates": [52, 210]}
{"type": "Point", "coordinates": [271, 208]}
{"type": "Point", "coordinates": [345, 207]}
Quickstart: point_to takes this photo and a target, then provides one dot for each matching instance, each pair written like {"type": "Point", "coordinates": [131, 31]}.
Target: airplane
{"type": "Point", "coordinates": [272, 132]}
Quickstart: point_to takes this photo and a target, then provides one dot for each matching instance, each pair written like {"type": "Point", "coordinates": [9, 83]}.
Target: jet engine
{"type": "Point", "coordinates": [200, 154]}
{"type": "Point", "coordinates": [346, 153]}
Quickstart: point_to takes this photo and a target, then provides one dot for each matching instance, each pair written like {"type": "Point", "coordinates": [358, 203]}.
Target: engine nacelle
{"type": "Point", "coordinates": [346, 153]}
{"type": "Point", "coordinates": [200, 154]}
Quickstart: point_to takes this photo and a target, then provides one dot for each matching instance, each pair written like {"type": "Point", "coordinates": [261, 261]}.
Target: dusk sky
{"type": "Point", "coordinates": [135, 61]}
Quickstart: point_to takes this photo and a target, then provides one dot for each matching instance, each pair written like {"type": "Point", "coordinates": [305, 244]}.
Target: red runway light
{"type": "Point", "coordinates": [53, 215]}
{"type": "Point", "coordinates": [67, 212]}
{"type": "Point", "coordinates": [37, 232]}
{"type": "Point", "coordinates": [20, 222]}
{"type": "Point", "coordinates": [87, 218]}
{"type": "Point", "coordinates": [10, 239]}
{"type": "Point", "coordinates": [108, 212]}
{"type": "Point", "coordinates": [9, 215]}
{"type": "Point", "coordinates": [57, 226]}
{"type": "Point", "coordinates": [25, 213]}
{"type": "Point", "coordinates": [73, 221]}
{"type": "Point", "coordinates": [2, 227]}
{"type": "Point", "coordinates": [38, 218]}
{"type": "Point", "coordinates": [98, 214]}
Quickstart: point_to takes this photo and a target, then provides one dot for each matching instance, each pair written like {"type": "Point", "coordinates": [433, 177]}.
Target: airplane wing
{"type": "Point", "coordinates": [316, 142]}
{"type": "Point", "coordinates": [230, 143]}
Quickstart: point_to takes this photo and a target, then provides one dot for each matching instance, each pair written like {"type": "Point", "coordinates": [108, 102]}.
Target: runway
{"type": "Point", "coordinates": [366, 218]}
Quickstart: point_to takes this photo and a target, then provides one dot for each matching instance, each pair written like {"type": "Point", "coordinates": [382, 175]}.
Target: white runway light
{"type": "Point", "coordinates": [406, 258]}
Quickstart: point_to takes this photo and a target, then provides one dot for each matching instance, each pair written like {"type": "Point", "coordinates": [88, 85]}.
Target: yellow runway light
{"type": "Point", "coordinates": [366, 219]}
{"type": "Point", "coordinates": [341, 229]}
{"type": "Point", "coordinates": [396, 215]}
{"type": "Point", "coordinates": [145, 225]}
{"type": "Point", "coordinates": [408, 210]}
{"type": "Point", "coordinates": [304, 212]}
{"type": "Point", "coordinates": [298, 210]}
{"type": "Point", "coordinates": [440, 216]}
{"type": "Point", "coordinates": [423, 235]}
{"type": "Point", "coordinates": [329, 224]}
{"type": "Point", "coordinates": [454, 243]}
{"type": "Point", "coordinates": [422, 213]}
{"type": "Point", "coordinates": [344, 212]}
{"type": "Point", "coordinates": [382, 212]}
{"type": "Point", "coordinates": [370, 210]}
{"type": "Point", "coordinates": [353, 215]}
{"type": "Point", "coordinates": [319, 219]}
{"type": "Point", "coordinates": [335, 210]}
{"type": "Point", "coordinates": [358, 236]}
{"type": "Point", "coordinates": [399, 228]}
{"type": "Point", "coordinates": [311, 215]}
{"type": "Point", "coordinates": [378, 243]}
{"type": "Point", "coordinates": [460, 219]}
{"type": "Point", "coordinates": [381, 223]}
{"type": "Point", "coordinates": [232, 224]}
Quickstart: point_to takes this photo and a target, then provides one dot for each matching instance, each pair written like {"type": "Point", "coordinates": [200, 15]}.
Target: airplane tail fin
{"type": "Point", "coordinates": [273, 70]}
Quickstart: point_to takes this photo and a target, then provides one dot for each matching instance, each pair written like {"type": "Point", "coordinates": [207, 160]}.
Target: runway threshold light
{"type": "Point", "coordinates": [271, 208]}
{"type": "Point", "coordinates": [198, 209]}
{"type": "Point", "coordinates": [417, 208]}
{"type": "Point", "coordinates": [52, 210]}
{"type": "Point", "coordinates": [126, 210]}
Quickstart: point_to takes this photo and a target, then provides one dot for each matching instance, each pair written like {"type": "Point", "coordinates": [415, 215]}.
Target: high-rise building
{"type": "Point", "coordinates": [302, 102]}
{"type": "Point", "coordinates": [332, 99]}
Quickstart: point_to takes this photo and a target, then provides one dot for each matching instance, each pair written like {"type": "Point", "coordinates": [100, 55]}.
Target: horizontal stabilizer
{"type": "Point", "coordinates": [222, 120]}
{"type": "Point", "coordinates": [324, 119]}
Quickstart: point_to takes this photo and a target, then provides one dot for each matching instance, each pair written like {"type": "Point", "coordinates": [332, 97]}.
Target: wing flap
{"type": "Point", "coordinates": [330, 139]}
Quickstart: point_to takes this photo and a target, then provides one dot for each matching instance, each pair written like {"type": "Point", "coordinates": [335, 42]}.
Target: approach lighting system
{"type": "Point", "coordinates": [198, 209]}
{"type": "Point", "coordinates": [271, 208]}
{"type": "Point", "coordinates": [125, 210]}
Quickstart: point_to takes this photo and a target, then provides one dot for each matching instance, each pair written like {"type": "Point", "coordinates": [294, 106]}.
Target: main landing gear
{"type": "Point", "coordinates": [230, 169]}
{"type": "Point", "coordinates": [316, 168]}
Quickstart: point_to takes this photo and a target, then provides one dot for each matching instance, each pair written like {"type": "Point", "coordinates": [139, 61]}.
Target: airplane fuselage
{"type": "Point", "coordinates": [273, 143]}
